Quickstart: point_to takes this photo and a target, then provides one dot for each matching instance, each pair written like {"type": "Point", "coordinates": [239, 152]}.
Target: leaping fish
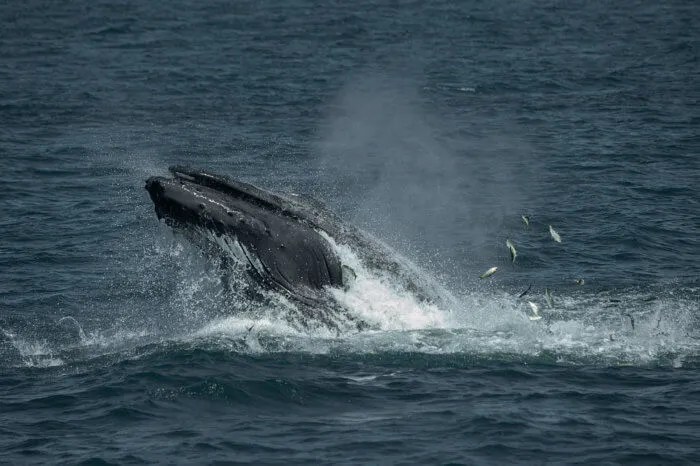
{"type": "Point", "coordinates": [535, 311]}
{"type": "Point", "coordinates": [511, 249]}
{"type": "Point", "coordinates": [548, 297]}
{"type": "Point", "coordinates": [554, 234]}
{"type": "Point", "coordinates": [526, 220]}
{"type": "Point", "coordinates": [489, 272]}
{"type": "Point", "coordinates": [525, 292]}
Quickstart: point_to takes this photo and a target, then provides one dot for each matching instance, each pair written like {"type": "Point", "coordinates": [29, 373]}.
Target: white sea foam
{"type": "Point", "coordinates": [34, 353]}
{"type": "Point", "coordinates": [583, 327]}
{"type": "Point", "coordinates": [376, 299]}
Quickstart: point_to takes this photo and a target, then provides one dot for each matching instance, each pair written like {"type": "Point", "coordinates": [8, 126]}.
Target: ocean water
{"type": "Point", "coordinates": [433, 126]}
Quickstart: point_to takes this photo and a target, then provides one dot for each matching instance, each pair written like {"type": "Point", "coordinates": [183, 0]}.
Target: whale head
{"type": "Point", "coordinates": [279, 246]}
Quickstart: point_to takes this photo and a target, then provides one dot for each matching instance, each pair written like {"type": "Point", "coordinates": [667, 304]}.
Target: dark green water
{"type": "Point", "coordinates": [433, 126]}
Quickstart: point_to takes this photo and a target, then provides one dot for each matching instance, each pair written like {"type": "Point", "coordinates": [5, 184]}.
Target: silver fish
{"type": "Point", "coordinates": [535, 311]}
{"type": "Point", "coordinates": [511, 249]}
{"type": "Point", "coordinates": [525, 292]}
{"type": "Point", "coordinates": [554, 234]}
{"type": "Point", "coordinates": [548, 297]}
{"type": "Point", "coordinates": [535, 308]}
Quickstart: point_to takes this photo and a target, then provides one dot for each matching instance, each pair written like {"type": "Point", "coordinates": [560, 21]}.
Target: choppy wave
{"type": "Point", "coordinates": [639, 326]}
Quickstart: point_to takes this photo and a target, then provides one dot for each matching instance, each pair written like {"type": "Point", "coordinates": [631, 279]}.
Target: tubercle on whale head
{"type": "Point", "coordinates": [238, 189]}
{"type": "Point", "coordinates": [183, 203]}
{"type": "Point", "coordinates": [247, 192]}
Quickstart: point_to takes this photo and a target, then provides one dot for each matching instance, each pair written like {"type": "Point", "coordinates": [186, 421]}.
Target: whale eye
{"type": "Point", "coordinates": [229, 213]}
{"type": "Point", "coordinates": [202, 206]}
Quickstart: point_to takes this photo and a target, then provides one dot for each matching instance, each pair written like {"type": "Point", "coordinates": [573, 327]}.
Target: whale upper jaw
{"type": "Point", "coordinates": [287, 252]}
{"type": "Point", "coordinates": [197, 198]}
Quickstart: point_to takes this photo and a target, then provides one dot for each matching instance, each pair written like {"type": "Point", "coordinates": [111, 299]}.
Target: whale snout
{"type": "Point", "coordinates": [171, 200]}
{"type": "Point", "coordinates": [154, 186]}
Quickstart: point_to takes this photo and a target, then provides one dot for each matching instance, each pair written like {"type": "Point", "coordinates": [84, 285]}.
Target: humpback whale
{"type": "Point", "coordinates": [286, 243]}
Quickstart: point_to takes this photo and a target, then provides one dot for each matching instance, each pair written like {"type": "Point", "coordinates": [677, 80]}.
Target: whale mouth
{"type": "Point", "coordinates": [283, 249]}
